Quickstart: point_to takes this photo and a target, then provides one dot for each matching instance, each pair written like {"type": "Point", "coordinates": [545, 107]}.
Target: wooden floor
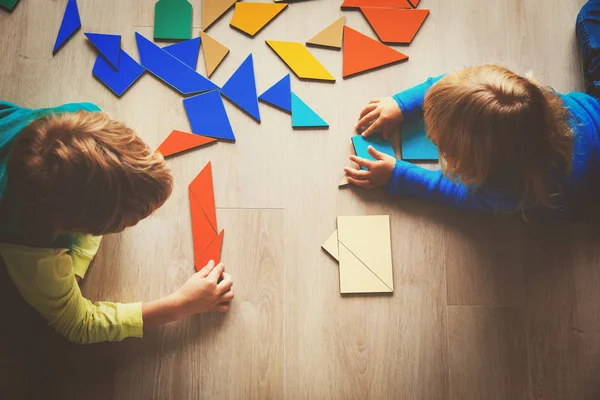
{"type": "Point", "coordinates": [484, 307]}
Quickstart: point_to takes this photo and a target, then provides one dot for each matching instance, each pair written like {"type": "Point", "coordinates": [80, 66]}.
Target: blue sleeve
{"type": "Point", "coordinates": [432, 186]}
{"type": "Point", "coordinates": [410, 101]}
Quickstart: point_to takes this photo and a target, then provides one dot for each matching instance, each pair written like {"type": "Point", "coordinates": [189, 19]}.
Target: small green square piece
{"type": "Point", "coordinates": [8, 4]}
{"type": "Point", "coordinates": [172, 19]}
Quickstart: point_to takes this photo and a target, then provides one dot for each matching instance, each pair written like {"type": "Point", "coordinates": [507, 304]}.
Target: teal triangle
{"type": "Point", "coordinates": [108, 45]}
{"type": "Point", "coordinates": [303, 116]}
{"type": "Point", "coordinates": [186, 51]}
{"type": "Point", "coordinates": [241, 88]}
{"type": "Point", "coordinates": [280, 94]}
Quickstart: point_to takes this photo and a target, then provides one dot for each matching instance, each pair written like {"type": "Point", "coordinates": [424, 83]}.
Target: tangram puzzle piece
{"type": "Point", "coordinates": [241, 88]}
{"type": "Point", "coordinates": [280, 94]}
{"type": "Point", "coordinates": [108, 45]}
{"type": "Point", "coordinates": [8, 4]}
{"type": "Point", "coordinates": [361, 53]}
{"type": "Point", "coordinates": [415, 3]}
{"type": "Point", "coordinates": [117, 80]}
{"type": "Point", "coordinates": [343, 181]}
{"type": "Point", "coordinates": [331, 246]}
{"type": "Point", "coordinates": [252, 17]}
{"type": "Point", "coordinates": [361, 146]}
{"type": "Point", "coordinates": [186, 51]}
{"type": "Point", "coordinates": [330, 36]}
{"type": "Point", "coordinates": [203, 190]}
{"type": "Point", "coordinates": [169, 69]}
{"type": "Point", "coordinates": [303, 116]}
{"type": "Point", "coordinates": [416, 146]}
{"type": "Point", "coordinates": [300, 60]}
{"type": "Point", "coordinates": [365, 254]}
{"type": "Point", "coordinates": [69, 25]}
{"type": "Point", "coordinates": [207, 115]}
{"type": "Point", "coordinates": [172, 19]}
{"type": "Point", "coordinates": [213, 9]}
{"type": "Point", "coordinates": [212, 252]}
{"type": "Point", "coordinates": [214, 53]}
{"type": "Point", "coordinates": [376, 3]}
{"type": "Point", "coordinates": [179, 141]}
{"type": "Point", "coordinates": [395, 25]}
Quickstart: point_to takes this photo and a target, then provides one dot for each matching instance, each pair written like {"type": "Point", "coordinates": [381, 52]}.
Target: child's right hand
{"type": "Point", "coordinates": [382, 115]}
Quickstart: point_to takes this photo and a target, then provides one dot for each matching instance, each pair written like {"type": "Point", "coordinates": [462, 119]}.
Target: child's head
{"type": "Point", "coordinates": [491, 124]}
{"type": "Point", "coordinates": [84, 173]}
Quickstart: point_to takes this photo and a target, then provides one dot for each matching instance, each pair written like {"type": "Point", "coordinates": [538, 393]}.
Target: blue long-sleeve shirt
{"type": "Point", "coordinates": [432, 186]}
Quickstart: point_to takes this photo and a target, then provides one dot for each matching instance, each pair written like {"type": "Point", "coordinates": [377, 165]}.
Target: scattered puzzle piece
{"type": "Point", "coordinates": [213, 9]}
{"type": "Point", "coordinates": [252, 17]}
{"type": "Point", "coordinates": [414, 3]}
{"type": "Point", "coordinates": [207, 115]}
{"type": "Point", "coordinates": [69, 25]}
{"type": "Point", "coordinates": [173, 19]}
{"type": "Point", "coordinates": [186, 51]}
{"type": "Point", "coordinates": [212, 252]}
{"type": "Point", "coordinates": [376, 3]}
{"type": "Point", "coordinates": [203, 190]}
{"type": "Point", "coordinates": [361, 53]}
{"type": "Point", "coordinates": [300, 60]}
{"type": "Point", "coordinates": [416, 146]}
{"type": "Point", "coordinates": [331, 246]}
{"type": "Point", "coordinates": [343, 181]}
{"type": "Point", "coordinates": [178, 142]}
{"type": "Point", "coordinates": [330, 36]}
{"type": "Point", "coordinates": [214, 53]}
{"type": "Point", "coordinates": [108, 45]}
{"type": "Point", "coordinates": [203, 232]}
{"type": "Point", "coordinates": [303, 116]}
{"type": "Point", "coordinates": [395, 25]}
{"type": "Point", "coordinates": [241, 88]}
{"type": "Point", "coordinates": [280, 94]}
{"type": "Point", "coordinates": [361, 146]}
{"type": "Point", "coordinates": [8, 4]}
{"type": "Point", "coordinates": [117, 80]}
{"type": "Point", "coordinates": [169, 69]}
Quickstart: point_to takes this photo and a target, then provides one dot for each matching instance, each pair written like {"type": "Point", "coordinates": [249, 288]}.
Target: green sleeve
{"type": "Point", "coordinates": [83, 250]}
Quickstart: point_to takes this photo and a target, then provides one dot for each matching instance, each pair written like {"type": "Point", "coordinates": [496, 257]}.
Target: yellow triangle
{"type": "Point", "coordinates": [252, 17]}
{"type": "Point", "coordinates": [213, 9]}
{"type": "Point", "coordinates": [355, 277]}
{"type": "Point", "coordinates": [214, 53]}
{"type": "Point", "coordinates": [330, 36]}
{"type": "Point", "coordinates": [300, 60]}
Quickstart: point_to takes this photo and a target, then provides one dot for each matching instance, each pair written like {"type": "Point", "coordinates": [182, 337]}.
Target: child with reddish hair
{"type": "Point", "coordinates": [68, 175]}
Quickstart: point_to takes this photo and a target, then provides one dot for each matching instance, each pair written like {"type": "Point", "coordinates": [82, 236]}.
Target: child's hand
{"type": "Point", "coordinates": [210, 289]}
{"type": "Point", "coordinates": [380, 115]}
{"type": "Point", "coordinates": [378, 173]}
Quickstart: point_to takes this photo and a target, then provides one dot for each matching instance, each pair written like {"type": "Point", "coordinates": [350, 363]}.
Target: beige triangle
{"type": "Point", "coordinates": [331, 246]}
{"type": "Point", "coordinates": [213, 9]}
{"type": "Point", "coordinates": [344, 181]}
{"type": "Point", "coordinates": [330, 36]}
{"type": "Point", "coordinates": [355, 277]}
{"type": "Point", "coordinates": [368, 238]}
{"type": "Point", "coordinates": [214, 53]}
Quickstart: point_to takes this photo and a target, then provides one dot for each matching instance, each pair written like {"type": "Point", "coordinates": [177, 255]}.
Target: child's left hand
{"type": "Point", "coordinates": [378, 173]}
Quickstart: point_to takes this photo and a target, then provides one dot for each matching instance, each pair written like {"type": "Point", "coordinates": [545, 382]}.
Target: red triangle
{"type": "Point", "coordinates": [394, 25]}
{"type": "Point", "coordinates": [361, 53]}
{"type": "Point", "coordinates": [415, 3]}
{"type": "Point", "coordinates": [212, 252]}
{"type": "Point", "coordinates": [202, 231]}
{"type": "Point", "coordinates": [376, 3]}
{"type": "Point", "coordinates": [203, 190]}
{"type": "Point", "coordinates": [179, 141]}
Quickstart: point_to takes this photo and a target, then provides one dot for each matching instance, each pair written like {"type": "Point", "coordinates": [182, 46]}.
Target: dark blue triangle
{"type": "Point", "coordinates": [69, 25]}
{"type": "Point", "coordinates": [108, 45]}
{"type": "Point", "coordinates": [280, 94]}
{"type": "Point", "coordinates": [241, 88]}
{"type": "Point", "coordinates": [118, 80]}
{"type": "Point", "coordinates": [207, 115]}
{"type": "Point", "coordinates": [186, 51]}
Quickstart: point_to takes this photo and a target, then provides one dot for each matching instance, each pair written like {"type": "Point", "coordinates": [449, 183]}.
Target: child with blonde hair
{"type": "Point", "coordinates": [68, 175]}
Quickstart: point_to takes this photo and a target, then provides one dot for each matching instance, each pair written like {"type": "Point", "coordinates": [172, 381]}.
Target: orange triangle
{"type": "Point", "coordinates": [330, 36]}
{"type": "Point", "coordinates": [212, 252]}
{"type": "Point", "coordinates": [394, 25]}
{"type": "Point", "coordinates": [214, 53]}
{"type": "Point", "coordinates": [361, 53]}
{"type": "Point", "coordinates": [415, 3]}
{"type": "Point", "coordinates": [203, 191]}
{"type": "Point", "coordinates": [376, 3]}
{"type": "Point", "coordinates": [179, 141]}
{"type": "Point", "coordinates": [213, 9]}
{"type": "Point", "coordinates": [202, 231]}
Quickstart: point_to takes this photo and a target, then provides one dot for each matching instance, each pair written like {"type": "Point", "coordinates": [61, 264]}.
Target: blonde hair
{"type": "Point", "coordinates": [84, 173]}
{"type": "Point", "coordinates": [492, 125]}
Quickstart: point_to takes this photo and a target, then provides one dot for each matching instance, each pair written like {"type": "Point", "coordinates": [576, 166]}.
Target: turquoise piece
{"type": "Point", "coordinates": [361, 146]}
{"type": "Point", "coordinates": [416, 146]}
{"type": "Point", "coordinates": [303, 116]}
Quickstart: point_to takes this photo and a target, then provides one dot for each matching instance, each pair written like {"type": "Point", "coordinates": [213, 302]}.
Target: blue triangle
{"type": "Point", "coordinates": [241, 88]}
{"type": "Point", "coordinates": [207, 115]}
{"type": "Point", "coordinates": [118, 80]}
{"type": "Point", "coordinates": [108, 45]}
{"type": "Point", "coordinates": [69, 25]}
{"type": "Point", "coordinates": [280, 94]}
{"type": "Point", "coordinates": [186, 51]}
{"type": "Point", "coordinates": [303, 116]}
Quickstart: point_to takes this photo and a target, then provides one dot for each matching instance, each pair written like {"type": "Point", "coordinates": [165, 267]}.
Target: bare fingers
{"type": "Point", "coordinates": [360, 183]}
